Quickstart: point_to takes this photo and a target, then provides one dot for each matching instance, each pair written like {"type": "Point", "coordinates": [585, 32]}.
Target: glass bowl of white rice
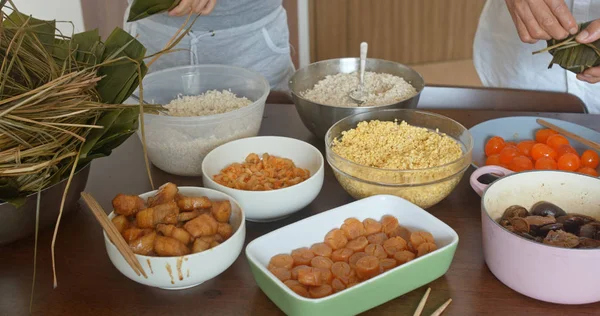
{"type": "Point", "coordinates": [204, 106]}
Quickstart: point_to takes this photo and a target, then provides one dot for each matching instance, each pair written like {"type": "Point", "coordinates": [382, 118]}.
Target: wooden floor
{"type": "Point", "coordinates": [453, 73]}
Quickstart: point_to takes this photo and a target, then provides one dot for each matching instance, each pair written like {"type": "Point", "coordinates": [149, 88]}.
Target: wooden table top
{"type": "Point", "coordinates": [88, 283]}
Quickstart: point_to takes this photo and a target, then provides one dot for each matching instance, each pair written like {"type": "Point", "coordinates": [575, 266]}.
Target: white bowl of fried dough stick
{"type": "Point", "coordinates": [181, 236]}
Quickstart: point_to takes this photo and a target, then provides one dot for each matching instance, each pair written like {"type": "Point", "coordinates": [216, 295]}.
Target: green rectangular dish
{"type": "Point", "coordinates": [364, 295]}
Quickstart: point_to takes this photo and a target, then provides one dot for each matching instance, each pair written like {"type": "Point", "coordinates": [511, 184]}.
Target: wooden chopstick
{"type": "Point", "coordinates": [441, 309]}
{"type": "Point", "coordinates": [421, 305]}
{"type": "Point", "coordinates": [564, 132]}
{"type": "Point", "coordinates": [113, 234]}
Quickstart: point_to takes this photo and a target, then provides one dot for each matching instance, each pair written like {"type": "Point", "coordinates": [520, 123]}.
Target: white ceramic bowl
{"type": "Point", "coordinates": [266, 206]}
{"type": "Point", "coordinates": [547, 273]}
{"type": "Point", "coordinates": [364, 295]}
{"type": "Point", "coordinates": [177, 273]}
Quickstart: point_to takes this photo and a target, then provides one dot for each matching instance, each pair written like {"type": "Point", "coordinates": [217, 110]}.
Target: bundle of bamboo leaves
{"type": "Point", "coordinates": [572, 55]}
{"type": "Point", "coordinates": [61, 100]}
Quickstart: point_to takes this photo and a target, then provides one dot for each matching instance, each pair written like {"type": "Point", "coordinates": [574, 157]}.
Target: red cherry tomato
{"type": "Point", "coordinates": [556, 140]}
{"type": "Point", "coordinates": [569, 162]}
{"type": "Point", "coordinates": [563, 149]}
{"type": "Point", "coordinates": [542, 150]}
{"type": "Point", "coordinates": [507, 154]}
{"type": "Point", "coordinates": [545, 163]}
{"type": "Point", "coordinates": [520, 163]}
{"type": "Point", "coordinates": [525, 147]}
{"type": "Point", "coordinates": [493, 160]}
{"type": "Point", "coordinates": [590, 158]}
{"type": "Point", "coordinates": [589, 171]}
{"type": "Point", "coordinates": [494, 146]}
{"type": "Point", "coordinates": [542, 135]}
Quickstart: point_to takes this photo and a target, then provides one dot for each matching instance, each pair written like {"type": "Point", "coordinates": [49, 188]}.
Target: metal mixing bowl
{"type": "Point", "coordinates": [318, 118]}
{"type": "Point", "coordinates": [18, 223]}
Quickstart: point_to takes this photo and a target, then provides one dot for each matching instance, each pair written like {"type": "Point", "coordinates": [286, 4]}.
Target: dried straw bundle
{"type": "Point", "coordinates": [61, 101]}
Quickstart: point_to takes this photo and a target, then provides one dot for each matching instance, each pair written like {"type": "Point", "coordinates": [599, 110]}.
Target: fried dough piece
{"type": "Point", "coordinates": [175, 232]}
{"type": "Point", "coordinates": [200, 245]}
{"type": "Point", "coordinates": [191, 203]}
{"type": "Point", "coordinates": [143, 245]}
{"type": "Point", "coordinates": [120, 222]}
{"type": "Point", "coordinates": [166, 193]}
{"type": "Point", "coordinates": [159, 214]}
{"type": "Point", "coordinates": [221, 210]}
{"type": "Point", "coordinates": [203, 225]}
{"type": "Point", "coordinates": [127, 204]}
{"type": "Point", "coordinates": [169, 247]}
{"type": "Point", "coordinates": [186, 216]}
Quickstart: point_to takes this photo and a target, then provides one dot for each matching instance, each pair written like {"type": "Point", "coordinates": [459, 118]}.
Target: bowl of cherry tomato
{"type": "Point", "coordinates": [521, 144]}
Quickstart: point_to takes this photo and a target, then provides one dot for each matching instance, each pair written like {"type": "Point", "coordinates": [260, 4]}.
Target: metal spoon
{"type": "Point", "coordinates": [358, 95]}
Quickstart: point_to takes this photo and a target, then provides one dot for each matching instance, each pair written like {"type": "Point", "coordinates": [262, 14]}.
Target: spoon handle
{"type": "Point", "coordinates": [363, 59]}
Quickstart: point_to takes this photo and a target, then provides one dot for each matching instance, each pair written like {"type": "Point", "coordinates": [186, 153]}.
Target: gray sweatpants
{"type": "Point", "coordinates": [262, 46]}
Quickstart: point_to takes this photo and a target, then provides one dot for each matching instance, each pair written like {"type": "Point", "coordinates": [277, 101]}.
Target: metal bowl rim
{"type": "Point", "coordinates": [297, 95]}
{"type": "Point", "coordinates": [87, 165]}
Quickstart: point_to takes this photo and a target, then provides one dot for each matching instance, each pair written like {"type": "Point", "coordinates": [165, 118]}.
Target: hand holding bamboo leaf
{"type": "Point", "coordinates": [575, 56]}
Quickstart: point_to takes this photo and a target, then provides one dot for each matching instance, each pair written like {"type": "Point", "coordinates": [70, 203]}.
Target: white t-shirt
{"type": "Point", "coordinates": [502, 60]}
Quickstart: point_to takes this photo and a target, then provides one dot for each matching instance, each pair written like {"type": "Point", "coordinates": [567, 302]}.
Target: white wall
{"type": "Point", "coordinates": [59, 10]}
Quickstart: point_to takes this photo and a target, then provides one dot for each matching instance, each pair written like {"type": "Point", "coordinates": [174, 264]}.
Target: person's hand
{"type": "Point", "coordinates": [541, 19]}
{"type": "Point", "coordinates": [590, 34]}
{"type": "Point", "coordinates": [202, 7]}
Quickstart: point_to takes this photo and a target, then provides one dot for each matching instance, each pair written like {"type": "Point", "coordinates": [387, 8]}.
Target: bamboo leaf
{"type": "Point", "coordinates": [571, 55]}
{"type": "Point", "coordinates": [117, 77]}
{"type": "Point", "coordinates": [141, 9]}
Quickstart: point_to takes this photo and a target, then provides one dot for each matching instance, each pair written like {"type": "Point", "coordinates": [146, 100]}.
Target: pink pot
{"type": "Point", "coordinates": [546, 273]}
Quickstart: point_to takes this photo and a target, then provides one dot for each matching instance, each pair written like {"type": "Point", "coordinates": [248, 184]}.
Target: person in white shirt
{"type": "Point", "coordinates": [509, 31]}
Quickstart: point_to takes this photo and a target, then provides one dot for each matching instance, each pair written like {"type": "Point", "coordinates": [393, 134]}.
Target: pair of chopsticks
{"type": "Point", "coordinates": [113, 234]}
{"type": "Point", "coordinates": [564, 132]}
{"type": "Point", "coordinates": [437, 312]}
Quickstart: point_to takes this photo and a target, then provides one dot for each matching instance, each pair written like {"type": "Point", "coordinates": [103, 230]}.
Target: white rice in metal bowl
{"type": "Point", "coordinates": [380, 89]}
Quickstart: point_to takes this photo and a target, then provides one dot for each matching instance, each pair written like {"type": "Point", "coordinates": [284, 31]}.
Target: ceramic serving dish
{"type": "Point", "coordinates": [177, 273]}
{"type": "Point", "coordinates": [518, 128]}
{"type": "Point", "coordinates": [529, 267]}
{"type": "Point", "coordinates": [364, 295]}
{"type": "Point", "coordinates": [267, 206]}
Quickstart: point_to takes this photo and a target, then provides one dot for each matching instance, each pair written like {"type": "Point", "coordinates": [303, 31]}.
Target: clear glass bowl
{"type": "Point", "coordinates": [423, 187]}
{"type": "Point", "coordinates": [178, 145]}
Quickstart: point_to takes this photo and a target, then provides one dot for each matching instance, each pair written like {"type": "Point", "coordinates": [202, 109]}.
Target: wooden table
{"type": "Point", "coordinates": [88, 284]}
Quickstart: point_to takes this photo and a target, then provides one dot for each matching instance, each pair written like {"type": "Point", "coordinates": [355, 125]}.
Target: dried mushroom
{"type": "Point", "coordinates": [515, 211]}
{"type": "Point", "coordinates": [544, 208]}
{"type": "Point", "coordinates": [549, 224]}
{"type": "Point", "coordinates": [561, 238]}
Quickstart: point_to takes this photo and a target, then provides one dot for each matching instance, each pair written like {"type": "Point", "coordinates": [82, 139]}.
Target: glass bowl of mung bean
{"type": "Point", "coordinates": [416, 155]}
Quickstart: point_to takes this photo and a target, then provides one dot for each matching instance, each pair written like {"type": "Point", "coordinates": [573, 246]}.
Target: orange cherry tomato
{"type": "Point", "coordinates": [525, 147]}
{"type": "Point", "coordinates": [545, 163]}
{"type": "Point", "coordinates": [494, 145]}
{"type": "Point", "coordinates": [589, 171]}
{"type": "Point", "coordinates": [569, 162]}
{"type": "Point", "coordinates": [563, 149]}
{"type": "Point", "coordinates": [542, 150]}
{"type": "Point", "coordinates": [556, 140]}
{"type": "Point", "coordinates": [507, 154]}
{"type": "Point", "coordinates": [520, 163]}
{"type": "Point", "coordinates": [542, 135]}
{"type": "Point", "coordinates": [493, 160]}
{"type": "Point", "coordinates": [590, 158]}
